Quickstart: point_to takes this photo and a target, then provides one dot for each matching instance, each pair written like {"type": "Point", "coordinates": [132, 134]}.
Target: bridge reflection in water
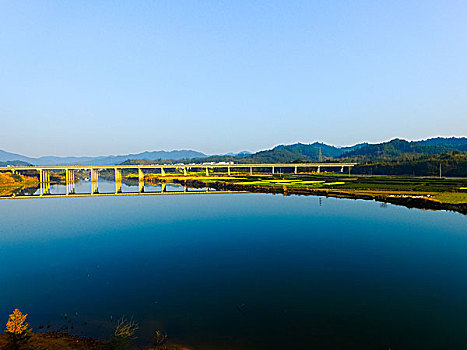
{"type": "Point", "coordinates": [168, 193]}
{"type": "Point", "coordinates": [95, 187]}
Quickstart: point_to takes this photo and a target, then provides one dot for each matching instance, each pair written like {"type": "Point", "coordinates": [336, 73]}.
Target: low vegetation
{"type": "Point", "coordinates": [19, 336]}
{"type": "Point", "coordinates": [12, 183]}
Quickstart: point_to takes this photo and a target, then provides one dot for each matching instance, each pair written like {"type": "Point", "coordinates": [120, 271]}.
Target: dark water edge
{"type": "Point", "coordinates": [246, 271]}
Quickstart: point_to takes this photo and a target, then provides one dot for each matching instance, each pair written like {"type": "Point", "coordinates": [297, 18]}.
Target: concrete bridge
{"type": "Point", "coordinates": [45, 172]}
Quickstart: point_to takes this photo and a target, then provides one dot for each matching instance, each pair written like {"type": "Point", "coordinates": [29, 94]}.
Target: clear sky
{"type": "Point", "coordinates": [113, 77]}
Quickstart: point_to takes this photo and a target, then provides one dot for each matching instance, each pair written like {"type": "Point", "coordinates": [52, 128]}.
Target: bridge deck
{"type": "Point", "coordinates": [179, 166]}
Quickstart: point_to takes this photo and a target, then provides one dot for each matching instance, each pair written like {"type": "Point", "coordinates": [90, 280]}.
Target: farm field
{"type": "Point", "coordinates": [432, 191]}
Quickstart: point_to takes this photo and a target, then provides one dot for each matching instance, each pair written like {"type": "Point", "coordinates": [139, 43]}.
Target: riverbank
{"type": "Point", "coordinates": [56, 340]}
{"type": "Point", "coordinates": [66, 341]}
{"type": "Point", "coordinates": [13, 183]}
{"type": "Point", "coordinates": [411, 192]}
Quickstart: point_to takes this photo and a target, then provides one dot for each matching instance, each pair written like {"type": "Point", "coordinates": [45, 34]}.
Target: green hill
{"type": "Point", "coordinates": [400, 149]}
{"type": "Point", "coordinates": [393, 157]}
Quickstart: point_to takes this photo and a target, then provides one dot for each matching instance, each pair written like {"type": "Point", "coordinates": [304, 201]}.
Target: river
{"type": "Point", "coordinates": [238, 271]}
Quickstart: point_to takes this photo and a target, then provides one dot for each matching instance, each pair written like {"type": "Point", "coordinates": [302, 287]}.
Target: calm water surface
{"type": "Point", "coordinates": [239, 271]}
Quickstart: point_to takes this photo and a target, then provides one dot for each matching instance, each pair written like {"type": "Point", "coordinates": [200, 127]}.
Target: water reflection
{"type": "Point", "coordinates": [104, 187]}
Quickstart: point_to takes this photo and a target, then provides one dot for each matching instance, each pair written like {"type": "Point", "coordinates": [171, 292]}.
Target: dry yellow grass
{"type": "Point", "coordinates": [452, 197]}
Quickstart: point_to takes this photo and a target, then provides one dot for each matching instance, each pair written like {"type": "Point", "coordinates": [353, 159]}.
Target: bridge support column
{"type": "Point", "coordinates": [140, 180]}
{"type": "Point", "coordinates": [342, 169]}
{"type": "Point", "coordinates": [44, 181]}
{"type": "Point", "coordinates": [296, 170]}
{"type": "Point", "coordinates": [162, 172]}
{"type": "Point", "coordinates": [41, 181]}
{"type": "Point", "coordinates": [118, 180]}
{"type": "Point", "coordinates": [67, 181]}
{"type": "Point", "coordinates": [47, 182]}
{"type": "Point", "coordinates": [228, 170]}
{"type": "Point", "coordinates": [163, 188]}
{"type": "Point", "coordinates": [70, 181]}
{"type": "Point", "coordinates": [319, 170]}
{"type": "Point", "coordinates": [140, 175]}
{"type": "Point", "coordinates": [251, 170]}
{"type": "Point", "coordinates": [185, 172]}
{"type": "Point", "coordinates": [94, 181]}
{"type": "Point", "coordinates": [207, 171]}
{"type": "Point", "coordinates": [273, 170]}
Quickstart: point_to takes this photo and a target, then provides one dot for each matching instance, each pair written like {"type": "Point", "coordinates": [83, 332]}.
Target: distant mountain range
{"type": "Point", "coordinates": [103, 160]}
{"type": "Point", "coordinates": [393, 150]}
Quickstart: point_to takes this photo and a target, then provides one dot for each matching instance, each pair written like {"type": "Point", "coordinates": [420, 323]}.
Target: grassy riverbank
{"type": "Point", "coordinates": [11, 183]}
{"type": "Point", "coordinates": [424, 193]}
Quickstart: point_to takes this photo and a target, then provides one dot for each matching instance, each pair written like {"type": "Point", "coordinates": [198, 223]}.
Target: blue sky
{"type": "Point", "coordinates": [112, 77]}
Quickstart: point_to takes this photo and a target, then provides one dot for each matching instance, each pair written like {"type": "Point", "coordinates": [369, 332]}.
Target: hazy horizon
{"type": "Point", "coordinates": [99, 78]}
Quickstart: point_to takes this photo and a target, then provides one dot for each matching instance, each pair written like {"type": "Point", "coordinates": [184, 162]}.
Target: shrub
{"type": "Point", "coordinates": [18, 331]}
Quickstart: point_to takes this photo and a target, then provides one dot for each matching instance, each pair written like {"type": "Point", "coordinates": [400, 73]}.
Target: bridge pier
{"type": "Point", "coordinates": [70, 181]}
{"type": "Point", "coordinates": [251, 170]}
{"type": "Point", "coordinates": [118, 180]}
{"type": "Point", "coordinates": [162, 172]}
{"type": "Point", "coordinates": [140, 180]}
{"type": "Point", "coordinates": [272, 170]}
{"type": "Point", "coordinates": [44, 181]}
{"type": "Point", "coordinates": [163, 188]}
{"type": "Point", "coordinates": [319, 170]}
{"type": "Point", "coordinates": [185, 172]}
{"type": "Point", "coordinates": [67, 181]}
{"type": "Point", "coordinates": [296, 170]}
{"type": "Point", "coordinates": [94, 181]}
{"type": "Point", "coordinates": [207, 171]}
{"type": "Point", "coordinates": [228, 170]}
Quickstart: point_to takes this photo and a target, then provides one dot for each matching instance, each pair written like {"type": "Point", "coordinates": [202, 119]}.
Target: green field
{"type": "Point", "coordinates": [444, 190]}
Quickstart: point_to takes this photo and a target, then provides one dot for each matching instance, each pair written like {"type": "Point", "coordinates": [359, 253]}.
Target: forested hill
{"type": "Point", "coordinates": [402, 149]}
{"type": "Point", "coordinates": [296, 153]}
{"type": "Point", "coordinates": [396, 149]}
